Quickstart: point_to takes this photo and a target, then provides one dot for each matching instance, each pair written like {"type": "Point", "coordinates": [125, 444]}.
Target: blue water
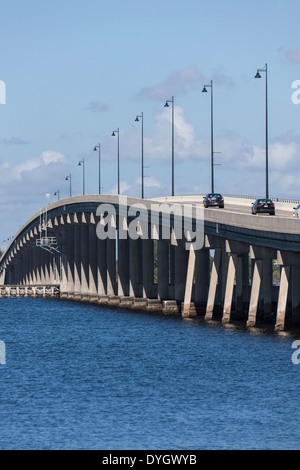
{"type": "Point", "coordinates": [79, 376]}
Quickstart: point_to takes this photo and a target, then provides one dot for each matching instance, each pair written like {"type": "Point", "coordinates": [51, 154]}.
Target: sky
{"type": "Point", "coordinates": [73, 71]}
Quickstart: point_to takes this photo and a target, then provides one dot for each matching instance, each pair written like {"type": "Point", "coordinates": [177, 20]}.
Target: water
{"type": "Point", "coordinates": [79, 376]}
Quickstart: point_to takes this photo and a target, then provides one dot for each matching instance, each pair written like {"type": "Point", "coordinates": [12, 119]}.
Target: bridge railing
{"type": "Point", "coordinates": [275, 199]}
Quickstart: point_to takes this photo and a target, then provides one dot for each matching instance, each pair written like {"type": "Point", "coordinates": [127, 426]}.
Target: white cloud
{"type": "Point", "coordinates": [97, 107]}
{"type": "Point", "coordinates": [178, 83]}
{"type": "Point", "coordinates": [149, 182]}
{"type": "Point", "coordinates": [45, 159]}
{"type": "Point", "coordinates": [293, 56]}
{"type": "Point", "coordinates": [124, 188]}
{"type": "Point", "coordinates": [186, 146]}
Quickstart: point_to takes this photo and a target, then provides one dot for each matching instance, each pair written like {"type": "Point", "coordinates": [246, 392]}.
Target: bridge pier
{"type": "Point", "coordinates": [163, 269]}
{"type": "Point", "coordinates": [289, 262]}
{"type": "Point", "coordinates": [218, 246]}
{"type": "Point", "coordinates": [237, 278]}
{"type": "Point", "coordinates": [261, 282]}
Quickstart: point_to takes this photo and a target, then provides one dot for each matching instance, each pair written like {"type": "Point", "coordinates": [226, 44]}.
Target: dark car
{"type": "Point", "coordinates": [263, 206]}
{"type": "Point", "coordinates": [213, 199]}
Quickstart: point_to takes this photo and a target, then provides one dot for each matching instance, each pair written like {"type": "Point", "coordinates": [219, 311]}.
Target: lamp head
{"type": "Point", "coordinates": [166, 105]}
{"type": "Point", "coordinates": [204, 90]}
{"type": "Point", "coordinates": [258, 75]}
{"type": "Point", "coordinates": [95, 148]}
{"type": "Point", "coordinates": [137, 119]}
{"type": "Point", "coordinates": [113, 134]}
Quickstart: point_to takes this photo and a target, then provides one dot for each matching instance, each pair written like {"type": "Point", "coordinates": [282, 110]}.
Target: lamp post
{"type": "Point", "coordinates": [57, 194]}
{"type": "Point", "coordinates": [81, 163]}
{"type": "Point", "coordinates": [69, 178]}
{"type": "Point", "coordinates": [173, 171]}
{"type": "Point", "coordinates": [265, 69]}
{"type": "Point", "coordinates": [95, 149]}
{"type": "Point", "coordinates": [210, 85]}
{"type": "Point", "coordinates": [113, 134]}
{"type": "Point", "coordinates": [137, 120]}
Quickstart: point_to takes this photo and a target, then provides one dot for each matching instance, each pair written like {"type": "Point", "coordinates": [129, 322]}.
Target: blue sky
{"type": "Point", "coordinates": [76, 70]}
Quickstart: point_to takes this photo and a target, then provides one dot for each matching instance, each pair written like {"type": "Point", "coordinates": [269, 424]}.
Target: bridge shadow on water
{"type": "Point", "coordinates": [238, 322]}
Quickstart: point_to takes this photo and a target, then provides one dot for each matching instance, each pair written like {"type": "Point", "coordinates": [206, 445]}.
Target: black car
{"type": "Point", "coordinates": [264, 206]}
{"type": "Point", "coordinates": [213, 199]}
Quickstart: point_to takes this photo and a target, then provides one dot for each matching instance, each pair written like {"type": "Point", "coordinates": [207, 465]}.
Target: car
{"type": "Point", "coordinates": [263, 206]}
{"type": "Point", "coordinates": [213, 200]}
{"type": "Point", "coordinates": [297, 211]}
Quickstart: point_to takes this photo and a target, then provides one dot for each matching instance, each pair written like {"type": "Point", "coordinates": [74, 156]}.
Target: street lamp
{"type": "Point", "coordinates": [212, 133]}
{"type": "Point", "coordinates": [81, 163]}
{"type": "Point", "coordinates": [113, 135]}
{"type": "Point", "coordinates": [95, 149]}
{"type": "Point", "coordinates": [57, 194]}
{"type": "Point", "coordinates": [137, 120]}
{"type": "Point", "coordinates": [265, 69]}
{"type": "Point", "coordinates": [69, 178]}
{"type": "Point", "coordinates": [166, 106]}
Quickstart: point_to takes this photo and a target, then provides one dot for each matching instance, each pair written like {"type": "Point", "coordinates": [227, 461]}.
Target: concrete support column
{"type": "Point", "coordinates": [255, 290]}
{"type": "Point", "coordinates": [64, 264]}
{"type": "Point", "coordinates": [267, 283]}
{"type": "Point", "coordinates": [202, 275]}
{"type": "Point", "coordinates": [232, 266]}
{"type": "Point", "coordinates": [262, 279]}
{"type": "Point", "coordinates": [237, 251]}
{"type": "Point", "coordinates": [282, 298]}
{"type": "Point", "coordinates": [33, 265]}
{"type": "Point", "coordinates": [223, 276]}
{"type": "Point", "coordinates": [287, 260]}
{"type": "Point", "coordinates": [93, 257]}
{"type": "Point", "coordinates": [135, 271]}
{"type": "Point", "coordinates": [111, 267]}
{"type": "Point", "coordinates": [181, 265]}
{"type": "Point", "coordinates": [69, 255]}
{"type": "Point", "coordinates": [51, 267]}
{"type": "Point", "coordinates": [189, 285]}
{"type": "Point", "coordinates": [38, 265]}
{"type": "Point", "coordinates": [213, 284]}
{"type": "Point", "coordinates": [102, 267]}
{"type": "Point", "coordinates": [29, 277]}
{"type": "Point", "coordinates": [77, 260]}
{"type": "Point", "coordinates": [48, 278]}
{"type": "Point", "coordinates": [84, 268]}
{"type": "Point", "coordinates": [163, 269]}
{"type": "Point", "coordinates": [26, 264]}
{"type": "Point", "coordinates": [296, 295]}
{"type": "Point", "coordinates": [148, 268]}
{"type": "Point", "coordinates": [123, 267]}
{"type": "Point", "coordinates": [21, 274]}
{"type": "Point", "coordinates": [42, 268]}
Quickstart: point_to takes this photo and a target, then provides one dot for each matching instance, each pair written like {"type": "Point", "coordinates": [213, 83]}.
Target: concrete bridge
{"type": "Point", "coordinates": [228, 276]}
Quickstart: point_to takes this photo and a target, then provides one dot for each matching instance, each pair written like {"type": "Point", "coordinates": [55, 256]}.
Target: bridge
{"type": "Point", "coordinates": [113, 251]}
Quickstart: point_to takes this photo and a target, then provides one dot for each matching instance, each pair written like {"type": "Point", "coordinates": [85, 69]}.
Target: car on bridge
{"type": "Point", "coordinates": [263, 206]}
{"type": "Point", "coordinates": [213, 200]}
